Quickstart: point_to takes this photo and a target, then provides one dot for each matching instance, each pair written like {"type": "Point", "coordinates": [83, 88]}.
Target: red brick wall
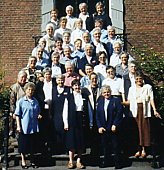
{"type": "Point", "coordinates": [144, 20]}
{"type": "Point", "coordinates": [19, 20]}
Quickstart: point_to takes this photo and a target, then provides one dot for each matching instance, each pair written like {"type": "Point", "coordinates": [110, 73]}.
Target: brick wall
{"type": "Point", "coordinates": [144, 20]}
{"type": "Point", "coordinates": [19, 20]}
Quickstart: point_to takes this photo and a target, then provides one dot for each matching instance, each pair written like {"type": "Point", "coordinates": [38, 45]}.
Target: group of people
{"type": "Point", "coordinates": [75, 89]}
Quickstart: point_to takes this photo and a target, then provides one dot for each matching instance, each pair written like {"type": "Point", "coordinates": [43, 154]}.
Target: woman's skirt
{"type": "Point", "coordinates": [28, 143]}
{"type": "Point", "coordinates": [143, 127]}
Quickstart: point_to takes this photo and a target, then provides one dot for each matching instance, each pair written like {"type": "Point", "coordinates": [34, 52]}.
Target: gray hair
{"type": "Point", "coordinates": [88, 45]}
{"type": "Point", "coordinates": [69, 7]}
{"type": "Point", "coordinates": [30, 84]}
{"type": "Point", "coordinates": [47, 70]}
{"type": "Point", "coordinates": [109, 27]}
{"type": "Point", "coordinates": [96, 29]}
{"type": "Point", "coordinates": [60, 76]}
{"type": "Point", "coordinates": [105, 87]}
{"type": "Point", "coordinates": [22, 73]}
{"type": "Point", "coordinates": [49, 25]}
{"type": "Point", "coordinates": [83, 4]}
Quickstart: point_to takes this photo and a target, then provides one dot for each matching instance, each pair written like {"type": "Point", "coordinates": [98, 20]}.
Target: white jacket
{"type": "Point", "coordinates": [147, 95]}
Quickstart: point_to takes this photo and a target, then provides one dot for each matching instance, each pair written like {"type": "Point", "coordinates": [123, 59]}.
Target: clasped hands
{"type": "Point", "coordinates": [101, 130]}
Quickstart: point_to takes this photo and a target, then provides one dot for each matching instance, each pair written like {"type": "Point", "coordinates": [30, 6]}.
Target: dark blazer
{"type": "Point", "coordinates": [114, 113]}
{"type": "Point", "coordinates": [57, 108]}
{"type": "Point", "coordinates": [105, 47]}
{"type": "Point", "coordinates": [83, 61]}
{"type": "Point", "coordinates": [127, 85]}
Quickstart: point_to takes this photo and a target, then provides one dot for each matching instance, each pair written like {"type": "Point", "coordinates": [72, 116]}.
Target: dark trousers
{"type": "Point", "coordinates": [110, 142]}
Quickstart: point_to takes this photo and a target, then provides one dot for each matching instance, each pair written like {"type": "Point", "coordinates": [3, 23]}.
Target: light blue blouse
{"type": "Point", "coordinates": [28, 111]}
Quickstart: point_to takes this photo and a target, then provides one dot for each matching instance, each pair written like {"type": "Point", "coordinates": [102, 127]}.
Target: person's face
{"type": "Point", "coordinates": [110, 73]}
{"type": "Point", "coordinates": [76, 88]}
{"type": "Point", "coordinates": [124, 59]}
{"type": "Point", "coordinates": [39, 53]}
{"type": "Point", "coordinates": [117, 49]}
{"type": "Point", "coordinates": [50, 31]}
{"type": "Point", "coordinates": [99, 9]}
{"type": "Point", "coordinates": [102, 59]}
{"type": "Point", "coordinates": [106, 94]}
{"type": "Point", "coordinates": [88, 51]}
{"type": "Point", "coordinates": [97, 36]}
{"type": "Point", "coordinates": [83, 9]}
{"type": "Point", "coordinates": [60, 82]}
{"type": "Point", "coordinates": [139, 81]}
{"type": "Point", "coordinates": [58, 45]}
{"type": "Point", "coordinates": [63, 24]}
{"type": "Point", "coordinates": [47, 76]}
{"type": "Point", "coordinates": [88, 70]}
{"type": "Point", "coordinates": [42, 43]}
{"type": "Point", "coordinates": [55, 59]}
{"type": "Point", "coordinates": [132, 68]}
{"type": "Point", "coordinates": [22, 79]}
{"type": "Point", "coordinates": [79, 24]}
{"type": "Point", "coordinates": [98, 25]}
{"type": "Point", "coordinates": [111, 33]}
{"type": "Point", "coordinates": [78, 45]}
{"type": "Point", "coordinates": [69, 70]}
{"type": "Point", "coordinates": [93, 80]}
{"type": "Point", "coordinates": [69, 12]}
{"type": "Point", "coordinates": [32, 63]}
{"type": "Point", "coordinates": [86, 37]}
{"type": "Point", "coordinates": [67, 52]}
{"type": "Point", "coordinates": [29, 92]}
{"type": "Point", "coordinates": [66, 38]}
{"type": "Point", "coordinates": [54, 15]}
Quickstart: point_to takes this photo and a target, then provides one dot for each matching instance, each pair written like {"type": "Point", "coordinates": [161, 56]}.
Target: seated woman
{"type": "Point", "coordinates": [27, 114]}
{"type": "Point", "coordinates": [108, 117]}
{"type": "Point", "coordinates": [141, 99]}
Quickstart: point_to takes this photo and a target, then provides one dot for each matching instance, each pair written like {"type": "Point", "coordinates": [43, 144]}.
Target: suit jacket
{"type": "Point", "coordinates": [114, 113]}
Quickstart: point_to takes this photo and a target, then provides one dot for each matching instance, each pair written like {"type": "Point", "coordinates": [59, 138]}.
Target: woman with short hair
{"type": "Point", "coordinates": [27, 114]}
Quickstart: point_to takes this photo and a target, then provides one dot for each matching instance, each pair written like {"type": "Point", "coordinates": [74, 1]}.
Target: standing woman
{"type": "Point", "coordinates": [63, 118]}
{"type": "Point", "coordinates": [141, 99]}
{"type": "Point", "coordinates": [27, 114]}
{"type": "Point", "coordinates": [78, 109]}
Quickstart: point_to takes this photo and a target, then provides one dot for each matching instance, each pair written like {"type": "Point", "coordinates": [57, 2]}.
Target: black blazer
{"type": "Point", "coordinates": [114, 113]}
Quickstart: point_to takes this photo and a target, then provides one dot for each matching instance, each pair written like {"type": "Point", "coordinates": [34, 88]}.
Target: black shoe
{"type": "Point", "coordinates": [118, 166]}
{"type": "Point", "coordinates": [34, 165]}
{"type": "Point", "coordinates": [102, 164]}
{"type": "Point", "coordinates": [24, 166]}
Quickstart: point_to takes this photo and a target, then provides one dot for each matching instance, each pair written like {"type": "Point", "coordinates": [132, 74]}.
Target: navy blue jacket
{"type": "Point", "coordinates": [114, 113]}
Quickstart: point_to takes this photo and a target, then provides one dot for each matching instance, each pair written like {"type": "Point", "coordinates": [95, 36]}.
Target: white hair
{"type": "Point", "coordinates": [109, 27]}
{"type": "Point", "coordinates": [50, 25]}
{"type": "Point", "coordinates": [83, 4]}
{"type": "Point", "coordinates": [69, 7]}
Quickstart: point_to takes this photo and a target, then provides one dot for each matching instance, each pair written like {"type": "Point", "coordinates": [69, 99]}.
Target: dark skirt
{"type": "Point", "coordinates": [72, 139]}
{"type": "Point", "coordinates": [79, 133]}
{"type": "Point", "coordinates": [143, 127]}
{"type": "Point", "coordinates": [28, 143]}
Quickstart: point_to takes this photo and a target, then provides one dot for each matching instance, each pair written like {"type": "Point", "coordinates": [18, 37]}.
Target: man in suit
{"type": "Point", "coordinates": [108, 117]}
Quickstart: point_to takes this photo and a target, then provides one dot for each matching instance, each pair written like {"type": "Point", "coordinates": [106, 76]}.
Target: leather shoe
{"type": "Point", "coordinates": [118, 166]}
{"type": "Point", "coordinates": [80, 165]}
{"type": "Point", "coordinates": [102, 164]}
{"type": "Point", "coordinates": [70, 165]}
